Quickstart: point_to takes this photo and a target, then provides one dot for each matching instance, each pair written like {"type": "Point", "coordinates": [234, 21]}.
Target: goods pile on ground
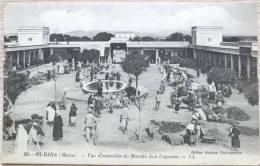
{"type": "Point", "coordinates": [236, 114]}
{"type": "Point", "coordinates": [38, 78]}
{"type": "Point", "coordinates": [168, 127]}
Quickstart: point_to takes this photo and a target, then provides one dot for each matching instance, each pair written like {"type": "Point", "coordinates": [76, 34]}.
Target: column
{"type": "Point", "coordinates": [29, 61]}
{"type": "Point", "coordinates": [220, 59]}
{"type": "Point", "coordinates": [17, 58]}
{"type": "Point", "coordinates": [194, 54]}
{"type": "Point", "coordinates": [231, 61]}
{"type": "Point", "coordinates": [248, 67]}
{"type": "Point", "coordinates": [214, 56]}
{"type": "Point", "coordinates": [24, 58]}
{"type": "Point", "coordinates": [40, 54]}
{"type": "Point", "coordinates": [52, 51]}
{"type": "Point", "coordinates": [239, 66]}
{"type": "Point", "coordinates": [225, 60]}
{"type": "Point", "coordinates": [157, 55]}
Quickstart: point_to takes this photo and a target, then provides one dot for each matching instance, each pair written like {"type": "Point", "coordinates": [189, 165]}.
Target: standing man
{"type": "Point", "coordinates": [73, 114]}
{"type": "Point", "coordinates": [235, 142]}
{"type": "Point", "coordinates": [57, 127]}
{"type": "Point", "coordinates": [107, 78]}
{"type": "Point", "coordinates": [91, 75]}
{"type": "Point", "coordinates": [157, 100]}
{"type": "Point", "coordinates": [89, 123]}
{"type": "Point", "coordinates": [100, 88]}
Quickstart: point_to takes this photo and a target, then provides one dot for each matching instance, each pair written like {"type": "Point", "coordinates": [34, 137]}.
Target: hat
{"type": "Point", "coordinates": [219, 92]}
{"type": "Point", "coordinates": [35, 124]}
{"type": "Point", "coordinates": [73, 102]}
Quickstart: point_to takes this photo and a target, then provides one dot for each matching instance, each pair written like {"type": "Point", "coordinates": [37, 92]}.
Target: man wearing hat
{"type": "Point", "coordinates": [73, 114]}
{"type": "Point", "coordinates": [124, 116]}
{"type": "Point", "coordinates": [90, 120]}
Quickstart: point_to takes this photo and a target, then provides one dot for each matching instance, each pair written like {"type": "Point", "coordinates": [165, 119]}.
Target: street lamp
{"type": "Point", "coordinates": [139, 102]}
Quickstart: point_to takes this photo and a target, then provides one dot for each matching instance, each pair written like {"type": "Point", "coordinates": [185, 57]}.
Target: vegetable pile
{"type": "Point", "coordinates": [168, 127]}
{"type": "Point", "coordinates": [236, 114]}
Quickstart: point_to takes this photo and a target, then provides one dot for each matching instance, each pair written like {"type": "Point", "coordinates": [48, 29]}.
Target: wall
{"type": "Point", "coordinates": [207, 36]}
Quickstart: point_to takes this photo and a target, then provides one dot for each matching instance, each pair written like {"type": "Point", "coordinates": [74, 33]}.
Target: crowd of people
{"type": "Point", "coordinates": [183, 91]}
{"type": "Point", "coordinates": [194, 95]}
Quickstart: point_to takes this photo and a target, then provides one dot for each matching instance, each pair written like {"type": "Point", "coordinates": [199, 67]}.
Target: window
{"type": "Point", "coordinates": [30, 39]}
{"type": "Point", "coordinates": [209, 39]}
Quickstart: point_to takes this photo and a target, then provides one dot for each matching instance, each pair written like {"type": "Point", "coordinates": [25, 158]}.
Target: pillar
{"type": "Point", "coordinates": [248, 67]}
{"type": "Point", "coordinates": [214, 59]}
{"type": "Point", "coordinates": [157, 55]}
{"type": "Point", "coordinates": [194, 53]}
{"type": "Point", "coordinates": [231, 61]}
{"type": "Point", "coordinates": [239, 66]}
{"type": "Point", "coordinates": [52, 51]}
{"type": "Point", "coordinates": [29, 60]}
{"type": "Point", "coordinates": [17, 58]}
{"type": "Point", "coordinates": [24, 58]}
{"type": "Point", "coordinates": [225, 60]}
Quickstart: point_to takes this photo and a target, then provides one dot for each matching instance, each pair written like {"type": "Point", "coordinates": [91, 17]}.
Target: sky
{"type": "Point", "coordinates": [235, 18]}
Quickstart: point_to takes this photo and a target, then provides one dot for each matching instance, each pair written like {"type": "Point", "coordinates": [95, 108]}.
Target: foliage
{"type": "Point", "coordinates": [175, 59]}
{"type": "Point", "coordinates": [60, 37]}
{"type": "Point", "coordinates": [37, 62]}
{"type": "Point", "coordinates": [54, 58]}
{"type": "Point", "coordinates": [14, 84]}
{"type": "Point", "coordinates": [7, 64]}
{"type": "Point", "coordinates": [102, 36]}
{"type": "Point", "coordinates": [189, 63]}
{"type": "Point", "coordinates": [6, 39]}
{"type": "Point", "coordinates": [147, 38]}
{"type": "Point", "coordinates": [136, 38]}
{"type": "Point", "coordinates": [178, 37]}
{"type": "Point", "coordinates": [89, 56]}
{"type": "Point", "coordinates": [236, 114]}
{"type": "Point", "coordinates": [73, 53]}
{"type": "Point", "coordinates": [251, 94]}
{"type": "Point", "coordinates": [134, 63]}
{"type": "Point", "coordinates": [231, 39]}
{"type": "Point", "coordinates": [65, 56]}
{"type": "Point", "coordinates": [222, 75]}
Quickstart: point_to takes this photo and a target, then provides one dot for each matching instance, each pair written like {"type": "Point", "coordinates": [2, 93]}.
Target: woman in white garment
{"type": "Point", "coordinates": [22, 139]}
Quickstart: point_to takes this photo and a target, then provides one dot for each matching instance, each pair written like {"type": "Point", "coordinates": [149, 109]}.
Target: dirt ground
{"type": "Point", "coordinates": [111, 138]}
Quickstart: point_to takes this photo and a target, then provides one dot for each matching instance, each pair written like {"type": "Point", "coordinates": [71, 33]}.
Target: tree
{"type": "Point", "coordinates": [6, 39]}
{"type": "Point", "coordinates": [231, 39]}
{"type": "Point", "coordinates": [147, 38]}
{"type": "Point", "coordinates": [65, 56]}
{"type": "Point", "coordinates": [85, 38]}
{"type": "Point", "coordinates": [84, 58]}
{"type": "Point", "coordinates": [177, 36]}
{"type": "Point", "coordinates": [54, 58]}
{"type": "Point", "coordinates": [135, 63]}
{"type": "Point", "coordinates": [222, 75]}
{"type": "Point", "coordinates": [37, 62]}
{"type": "Point", "coordinates": [136, 38]}
{"type": "Point", "coordinates": [7, 64]}
{"type": "Point", "coordinates": [94, 55]}
{"type": "Point", "coordinates": [102, 36]}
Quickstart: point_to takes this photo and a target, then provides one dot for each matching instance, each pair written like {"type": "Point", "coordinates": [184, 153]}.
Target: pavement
{"type": "Point", "coordinates": [111, 138]}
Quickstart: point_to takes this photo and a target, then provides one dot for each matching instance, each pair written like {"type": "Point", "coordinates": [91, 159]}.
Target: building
{"type": "Point", "coordinates": [206, 48]}
{"type": "Point", "coordinates": [125, 34]}
{"type": "Point", "coordinates": [30, 36]}
{"type": "Point", "coordinates": [209, 50]}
